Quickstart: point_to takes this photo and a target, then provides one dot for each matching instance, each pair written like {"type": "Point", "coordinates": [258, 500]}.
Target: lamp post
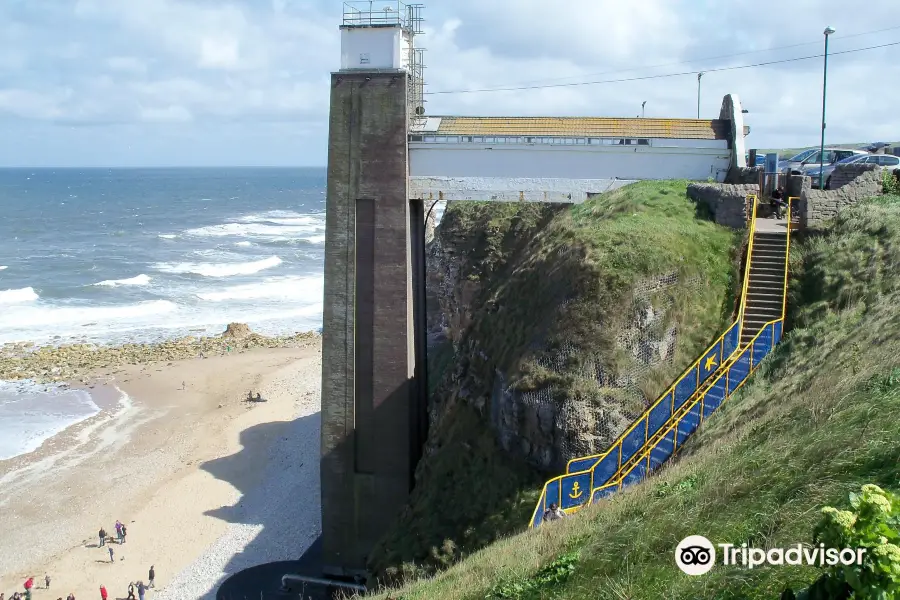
{"type": "Point", "coordinates": [828, 31]}
{"type": "Point", "coordinates": [642, 108]}
{"type": "Point", "coordinates": [699, 75]}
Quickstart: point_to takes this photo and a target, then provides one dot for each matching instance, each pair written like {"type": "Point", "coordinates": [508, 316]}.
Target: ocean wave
{"type": "Point", "coordinates": [3, 267]}
{"type": "Point", "coordinates": [16, 296]}
{"type": "Point", "coordinates": [302, 289]}
{"type": "Point", "coordinates": [316, 239]}
{"type": "Point", "coordinates": [260, 230]}
{"type": "Point", "coordinates": [219, 269]}
{"type": "Point", "coordinates": [136, 280]}
{"type": "Point", "coordinates": [243, 244]}
{"type": "Point", "coordinates": [167, 236]}
{"type": "Point", "coordinates": [81, 316]}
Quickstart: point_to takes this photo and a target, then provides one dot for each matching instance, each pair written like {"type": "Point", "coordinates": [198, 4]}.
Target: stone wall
{"type": "Point", "coordinates": [746, 175]}
{"type": "Point", "coordinates": [727, 203]}
{"type": "Point", "coordinates": [846, 174]}
{"type": "Point", "coordinates": [857, 182]}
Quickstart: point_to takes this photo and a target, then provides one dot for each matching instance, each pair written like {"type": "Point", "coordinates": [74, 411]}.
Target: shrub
{"type": "Point", "coordinates": [873, 524]}
{"type": "Point", "coordinates": [890, 182]}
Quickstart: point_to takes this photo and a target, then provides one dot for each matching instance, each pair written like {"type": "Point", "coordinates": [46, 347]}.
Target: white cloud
{"type": "Point", "coordinates": [246, 80]}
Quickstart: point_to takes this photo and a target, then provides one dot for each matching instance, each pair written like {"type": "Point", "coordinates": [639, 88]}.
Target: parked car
{"type": "Point", "coordinates": [882, 160]}
{"type": "Point", "coordinates": [809, 159]}
{"type": "Point", "coordinates": [760, 160]}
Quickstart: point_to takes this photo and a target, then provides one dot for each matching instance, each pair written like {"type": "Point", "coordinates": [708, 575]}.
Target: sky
{"type": "Point", "coordinates": [246, 82]}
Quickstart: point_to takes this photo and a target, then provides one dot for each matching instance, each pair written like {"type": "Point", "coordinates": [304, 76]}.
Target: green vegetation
{"type": "Point", "coordinates": [542, 278]}
{"type": "Point", "coordinates": [816, 422]}
{"type": "Point", "coordinates": [873, 525]}
{"type": "Point", "coordinates": [890, 182]}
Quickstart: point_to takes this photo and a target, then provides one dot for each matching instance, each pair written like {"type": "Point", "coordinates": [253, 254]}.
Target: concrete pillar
{"type": "Point", "coordinates": [373, 403]}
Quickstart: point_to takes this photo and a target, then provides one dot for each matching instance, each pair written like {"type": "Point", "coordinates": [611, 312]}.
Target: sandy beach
{"type": "Point", "coordinates": [206, 483]}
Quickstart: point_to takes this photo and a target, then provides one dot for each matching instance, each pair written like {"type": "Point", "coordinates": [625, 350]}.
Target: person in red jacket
{"type": "Point", "coordinates": [103, 593]}
{"type": "Point", "coordinates": [29, 583]}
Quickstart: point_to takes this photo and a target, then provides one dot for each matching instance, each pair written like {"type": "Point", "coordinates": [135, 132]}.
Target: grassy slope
{"type": "Point", "coordinates": [817, 421]}
{"type": "Point", "coordinates": [530, 259]}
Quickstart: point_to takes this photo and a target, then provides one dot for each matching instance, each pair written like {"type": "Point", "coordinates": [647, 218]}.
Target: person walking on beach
{"type": "Point", "coordinates": [119, 531]}
{"type": "Point", "coordinates": [123, 534]}
{"type": "Point", "coordinates": [142, 589]}
{"type": "Point", "coordinates": [103, 593]}
{"type": "Point", "coordinates": [102, 535]}
{"type": "Point", "coordinates": [71, 596]}
{"type": "Point", "coordinates": [131, 591]}
{"type": "Point", "coordinates": [47, 581]}
{"type": "Point", "coordinates": [111, 559]}
{"type": "Point", "coordinates": [152, 576]}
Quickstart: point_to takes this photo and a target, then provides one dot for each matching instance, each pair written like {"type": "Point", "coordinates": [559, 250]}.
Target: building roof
{"type": "Point", "coordinates": [578, 127]}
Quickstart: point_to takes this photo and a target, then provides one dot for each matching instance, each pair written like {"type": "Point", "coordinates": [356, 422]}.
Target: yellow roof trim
{"type": "Point", "coordinates": [585, 127]}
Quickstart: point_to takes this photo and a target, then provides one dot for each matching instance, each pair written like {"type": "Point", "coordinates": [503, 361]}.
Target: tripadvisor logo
{"type": "Point", "coordinates": [696, 555]}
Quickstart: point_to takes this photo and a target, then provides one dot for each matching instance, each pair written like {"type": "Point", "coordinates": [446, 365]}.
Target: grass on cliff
{"type": "Point", "coordinates": [818, 420]}
{"type": "Point", "coordinates": [574, 286]}
{"type": "Point", "coordinates": [545, 277]}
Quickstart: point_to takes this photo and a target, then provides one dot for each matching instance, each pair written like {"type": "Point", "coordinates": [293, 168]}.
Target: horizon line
{"type": "Point", "coordinates": [165, 167]}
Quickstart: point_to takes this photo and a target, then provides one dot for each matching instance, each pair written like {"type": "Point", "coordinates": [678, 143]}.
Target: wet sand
{"type": "Point", "coordinates": [158, 458]}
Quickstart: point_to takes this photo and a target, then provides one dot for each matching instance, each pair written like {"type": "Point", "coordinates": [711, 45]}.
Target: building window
{"type": "Point", "coordinates": [468, 138]}
{"type": "Point", "coordinates": [429, 138]}
{"type": "Point", "coordinates": [643, 142]}
{"type": "Point", "coordinates": [478, 140]}
{"type": "Point", "coordinates": [415, 138]}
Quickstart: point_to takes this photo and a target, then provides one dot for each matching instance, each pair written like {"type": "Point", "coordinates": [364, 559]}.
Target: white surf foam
{"type": "Point", "coordinates": [316, 239]}
{"type": "Point", "coordinates": [244, 244]}
{"type": "Point", "coordinates": [18, 296]}
{"type": "Point", "coordinates": [219, 269]}
{"type": "Point", "coordinates": [167, 236]}
{"type": "Point", "coordinates": [74, 316]}
{"type": "Point", "coordinates": [301, 289]}
{"type": "Point", "coordinates": [276, 223]}
{"type": "Point", "coordinates": [31, 414]}
{"type": "Point", "coordinates": [3, 267]}
{"type": "Point", "coordinates": [136, 280]}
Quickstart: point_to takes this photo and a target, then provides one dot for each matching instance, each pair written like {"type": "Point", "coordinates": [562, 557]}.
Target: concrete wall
{"type": "Point", "coordinates": [567, 162]}
{"type": "Point", "coordinates": [726, 202]}
{"type": "Point", "coordinates": [370, 48]}
{"type": "Point", "coordinates": [369, 393]}
{"type": "Point", "coordinates": [818, 206]}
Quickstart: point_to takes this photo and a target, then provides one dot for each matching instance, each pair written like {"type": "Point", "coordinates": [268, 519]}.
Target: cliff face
{"type": "Point", "coordinates": [552, 328]}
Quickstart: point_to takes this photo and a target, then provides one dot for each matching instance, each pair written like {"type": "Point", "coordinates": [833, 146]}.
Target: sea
{"type": "Point", "coordinates": [108, 256]}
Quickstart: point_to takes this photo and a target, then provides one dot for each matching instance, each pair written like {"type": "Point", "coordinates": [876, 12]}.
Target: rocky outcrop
{"type": "Point", "coordinates": [554, 399]}
{"type": "Point", "coordinates": [236, 331]}
{"type": "Point", "coordinates": [76, 362]}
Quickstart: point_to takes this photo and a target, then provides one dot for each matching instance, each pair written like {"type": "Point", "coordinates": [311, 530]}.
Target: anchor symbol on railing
{"type": "Point", "coordinates": [576, 491]}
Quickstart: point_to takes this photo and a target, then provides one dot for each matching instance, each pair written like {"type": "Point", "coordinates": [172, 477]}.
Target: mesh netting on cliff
{"type": "Point", "coordinates": [560, 424]}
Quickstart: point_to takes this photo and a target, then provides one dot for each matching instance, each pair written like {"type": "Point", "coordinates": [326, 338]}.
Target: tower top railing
{"type": "Point", "coordinates": [367, 13]}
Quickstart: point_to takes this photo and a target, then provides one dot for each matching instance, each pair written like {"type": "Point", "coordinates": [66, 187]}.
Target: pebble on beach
{"type": "Point", "coordinates": [71, 362]}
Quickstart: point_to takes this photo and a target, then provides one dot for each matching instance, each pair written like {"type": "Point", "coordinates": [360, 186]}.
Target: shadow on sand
{"type": "Point", "coordinates": [273, 476]}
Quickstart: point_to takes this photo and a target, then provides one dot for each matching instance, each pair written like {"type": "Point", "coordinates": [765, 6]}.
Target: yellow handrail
{"type": "Point", "coordinates": [692, 369]}
{"type": "Point", "coordinates": [650, 408]}
{"type": "Point", "coordinates": [787, 253]}
{"type": "Point", "coordinates": [687, 408]}
{"type": "Point", "coordinates": [752, 227]}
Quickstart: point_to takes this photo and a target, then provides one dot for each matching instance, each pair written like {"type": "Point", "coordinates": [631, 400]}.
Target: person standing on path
{"type": "Point", "coordinates": [47, 581]}
{"type": "Point", "coordinates": [123, 534]}
{"type": "Point", "coordinates": [111, 559]}
{"type": "Point", "coordinates": [152, 576]}
{"type": "Point", "coordinates": [119, 531]}
{"type": "Point", "coordinates": [103, 594]}
{"type": "Point", "coordinates": [102, 535]}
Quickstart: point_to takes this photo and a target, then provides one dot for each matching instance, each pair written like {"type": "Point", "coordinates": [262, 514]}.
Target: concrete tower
{"type": "Point", "coordinates": [373, 352]}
